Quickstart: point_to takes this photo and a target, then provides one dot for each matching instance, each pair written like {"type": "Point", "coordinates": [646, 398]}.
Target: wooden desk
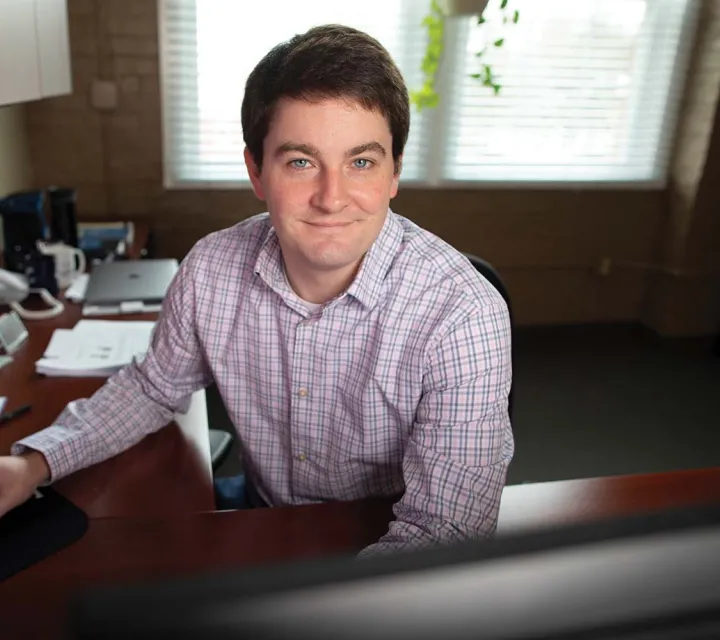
{"type": "Point", "coordinates": [138, 549]}
{"type": "Point", "coordinates": [166, 473]}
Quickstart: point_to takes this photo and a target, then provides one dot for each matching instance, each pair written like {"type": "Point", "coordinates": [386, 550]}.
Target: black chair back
{"type": "Point", "coordinates": [493, 277]}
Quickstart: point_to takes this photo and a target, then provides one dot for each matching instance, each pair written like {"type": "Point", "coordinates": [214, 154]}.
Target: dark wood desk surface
{"type": "Point", "coordinates": [167, 473]}
{"type": "Point", "coordinates": [137, 549]}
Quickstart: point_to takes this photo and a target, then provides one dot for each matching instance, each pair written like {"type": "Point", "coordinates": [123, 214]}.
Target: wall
{"type": "Point", "coordinates": [14, 155]}
{"type": "Point", "coordinates": [684, 298]}
{"type": "Point", "coordinates": [545, 242]}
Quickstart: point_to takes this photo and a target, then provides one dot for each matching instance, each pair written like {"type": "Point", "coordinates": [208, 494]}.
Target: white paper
{"type": "Point", "coordinates": [95, 348]}
{"type": "Point", "coordinates": [76, 291]}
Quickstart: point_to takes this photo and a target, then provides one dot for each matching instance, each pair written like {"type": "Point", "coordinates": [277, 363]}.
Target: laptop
{"type": "Point", "coordinates": [143, 281]}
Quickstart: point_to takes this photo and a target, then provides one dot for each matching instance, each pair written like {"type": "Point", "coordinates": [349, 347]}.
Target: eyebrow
{"type": "Point", "coordinates": [373, 146]}
{"type": "Point", "coordinates": [314, 152]}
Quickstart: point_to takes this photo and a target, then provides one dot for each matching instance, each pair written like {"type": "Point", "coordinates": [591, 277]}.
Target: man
{"type": "Point", "coordinates": [357, 354]}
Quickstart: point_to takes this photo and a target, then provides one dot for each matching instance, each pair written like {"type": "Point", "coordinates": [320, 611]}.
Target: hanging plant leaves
{"type": "Point", "coordinates": [516, 17]}
{"type": "Point", "coordinates": [499, 43]}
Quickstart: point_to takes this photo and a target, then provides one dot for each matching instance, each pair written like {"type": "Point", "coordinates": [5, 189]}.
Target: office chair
{"type": "Point", "coordinates": [493, 277]}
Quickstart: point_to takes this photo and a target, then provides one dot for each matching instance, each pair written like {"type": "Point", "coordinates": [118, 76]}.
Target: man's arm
{"type": "Point", "coordinates": [461, 444]}
{"type": "Point", "coordinates": [139, 399]}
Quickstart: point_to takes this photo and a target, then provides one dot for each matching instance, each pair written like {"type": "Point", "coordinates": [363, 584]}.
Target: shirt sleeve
{"type": "Point", "coordinates": [461, 444]}
{"type": "Point", "coordinates": [139, 399]}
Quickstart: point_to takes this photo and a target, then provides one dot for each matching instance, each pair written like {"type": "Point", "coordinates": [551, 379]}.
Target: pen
{"type": "Point", "coordinates": [5, 417]}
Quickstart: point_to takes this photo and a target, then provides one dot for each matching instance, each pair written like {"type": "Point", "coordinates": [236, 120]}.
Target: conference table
{"type": "Point", "coordinates": [152, 513]}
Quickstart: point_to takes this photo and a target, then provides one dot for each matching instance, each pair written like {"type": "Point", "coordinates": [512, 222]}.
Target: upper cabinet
{"type": "Point", "coordinates": [34, 50]}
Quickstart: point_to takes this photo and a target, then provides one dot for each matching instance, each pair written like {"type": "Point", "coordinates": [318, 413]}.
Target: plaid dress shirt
{"type": "Point", "coordinates": [397, 387]}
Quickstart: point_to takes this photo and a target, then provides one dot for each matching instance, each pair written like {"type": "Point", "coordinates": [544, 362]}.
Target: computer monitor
{"type": "Point", "coordinates": [654, 576]}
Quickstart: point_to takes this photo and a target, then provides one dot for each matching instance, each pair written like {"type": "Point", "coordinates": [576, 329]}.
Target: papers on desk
{"type": "Point", "coordinates": [94, 348]}
{"type": "Point", "coordinates": [76, 291]}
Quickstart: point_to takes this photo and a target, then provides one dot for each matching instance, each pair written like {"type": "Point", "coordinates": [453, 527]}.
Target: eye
{"type": "Point", "coordinates": [299, 163]}
{"type": "Point", "coordinates": [362, 163]}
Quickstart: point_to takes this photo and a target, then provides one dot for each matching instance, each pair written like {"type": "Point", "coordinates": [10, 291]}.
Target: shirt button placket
{"type": "Point", "coordinates": [301, 355]}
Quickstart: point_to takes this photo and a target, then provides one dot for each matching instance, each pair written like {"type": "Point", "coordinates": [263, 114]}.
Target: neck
{"type": "Point", "coordinates": [319, 287]}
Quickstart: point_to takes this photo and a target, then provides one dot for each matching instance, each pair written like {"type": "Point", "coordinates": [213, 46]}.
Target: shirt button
{"type": "Point", "coordinates": [302, 392]}
{"type": "Point", "coordinates": [301, 457]}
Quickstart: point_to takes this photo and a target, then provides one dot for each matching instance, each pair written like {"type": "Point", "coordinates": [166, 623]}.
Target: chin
{"type": "Point", "coordinates": [332, 258]}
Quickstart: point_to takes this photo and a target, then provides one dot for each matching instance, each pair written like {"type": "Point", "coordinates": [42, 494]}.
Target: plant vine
{"type": "Point", "coordinates": [427, 97]}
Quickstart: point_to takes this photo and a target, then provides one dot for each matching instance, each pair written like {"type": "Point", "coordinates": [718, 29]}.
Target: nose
{"type": "Point", "coordinates": [331, 195]}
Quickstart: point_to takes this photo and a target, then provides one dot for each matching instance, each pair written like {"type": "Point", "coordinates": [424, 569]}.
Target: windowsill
{"type": "Point", "coordinates": [449, 185]}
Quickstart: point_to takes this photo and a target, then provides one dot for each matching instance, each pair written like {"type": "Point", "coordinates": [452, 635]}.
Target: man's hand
{"type": "Point", "coordinates": [19, 477]}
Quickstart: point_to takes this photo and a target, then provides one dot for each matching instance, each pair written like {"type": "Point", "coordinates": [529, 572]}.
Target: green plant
{"type": "Point", "coordinates": [434, 22]}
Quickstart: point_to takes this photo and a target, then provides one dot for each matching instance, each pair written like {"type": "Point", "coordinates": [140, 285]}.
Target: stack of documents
{"type": "Point", "coordinates": [95, 348]}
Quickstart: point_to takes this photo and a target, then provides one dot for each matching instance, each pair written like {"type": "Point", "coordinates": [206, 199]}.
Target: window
{"type": "Point", "coordinates": [590, 89]}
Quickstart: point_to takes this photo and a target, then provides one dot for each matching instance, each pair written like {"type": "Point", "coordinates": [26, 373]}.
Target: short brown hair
{"type": "Point", "coordinates": [331, 61]}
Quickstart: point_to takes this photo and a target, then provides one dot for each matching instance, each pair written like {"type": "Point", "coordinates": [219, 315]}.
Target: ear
{"type": "Point", "coordinates": [396, 179]}
{"type": "Point", "coordinates": [254, 174]}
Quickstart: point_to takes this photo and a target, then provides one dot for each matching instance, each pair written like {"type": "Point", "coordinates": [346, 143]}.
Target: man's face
{"type": "Point", "coordinates": [327, 177]}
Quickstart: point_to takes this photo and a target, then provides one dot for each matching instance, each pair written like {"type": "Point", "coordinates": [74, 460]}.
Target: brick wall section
{"type": "Point", "coordinates": [543, 241]}
{"type": "Point", "coordinates": [687, 303]}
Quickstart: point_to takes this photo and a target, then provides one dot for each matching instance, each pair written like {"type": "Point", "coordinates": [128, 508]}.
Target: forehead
{"type": "Point", "coordinates": [326, 116]}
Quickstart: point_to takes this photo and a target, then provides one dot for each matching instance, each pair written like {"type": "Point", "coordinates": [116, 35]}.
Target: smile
{"type": "Point", "coordinates": [330, 225]}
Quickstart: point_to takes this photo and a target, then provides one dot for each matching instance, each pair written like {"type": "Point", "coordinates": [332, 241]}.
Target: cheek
{"type": "Point", "coordinates": [373, 195]}
{"type": "Point", "coordinates": [285, 196]}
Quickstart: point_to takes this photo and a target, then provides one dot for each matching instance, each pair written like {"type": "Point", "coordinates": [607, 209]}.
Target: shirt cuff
{"type": "Point", "coordinates": [47, 443]}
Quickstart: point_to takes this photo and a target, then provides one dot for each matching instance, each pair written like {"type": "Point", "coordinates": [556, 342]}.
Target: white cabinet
{"type": "Point", "coordinates": [34, 50]}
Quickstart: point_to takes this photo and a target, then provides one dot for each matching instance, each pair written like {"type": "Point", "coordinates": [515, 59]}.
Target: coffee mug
{"type": "Point", "coordinates": [69, 261]}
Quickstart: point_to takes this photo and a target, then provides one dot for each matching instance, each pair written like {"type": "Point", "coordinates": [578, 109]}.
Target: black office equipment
{"type": "Point", "coordinates": [23, 225]}
{"type": "Point", "coordinates": [38, 528]}
{"type": "Point", "coordinates": [649, 577]}
{"type": "Point", "coordinates": [63, 218]}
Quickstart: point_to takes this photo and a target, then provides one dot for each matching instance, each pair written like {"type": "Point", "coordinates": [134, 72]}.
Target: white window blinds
{"type": "Point", "coordinates": [589, 89]}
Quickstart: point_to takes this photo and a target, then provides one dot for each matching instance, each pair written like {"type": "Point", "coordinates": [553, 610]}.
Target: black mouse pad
{"type": "Point", "coordinates": [44, 524]}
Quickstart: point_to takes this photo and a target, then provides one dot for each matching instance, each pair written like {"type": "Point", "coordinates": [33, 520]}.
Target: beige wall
{"type": "Point", "coordinates": [685, 297]}
{"type": "Point", "coordinates": [14, 156]}
{"type": "Point", "coordinates": [544, 242]}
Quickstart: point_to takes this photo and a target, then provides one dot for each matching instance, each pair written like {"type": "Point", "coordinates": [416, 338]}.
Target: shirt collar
{"type": "Point", "coordinates": [366, 288]}
{"type": "Point", "coordinates": [269, 262]}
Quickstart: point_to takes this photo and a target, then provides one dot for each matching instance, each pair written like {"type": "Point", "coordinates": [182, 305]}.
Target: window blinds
{"type": "Point", "coordinates": [589, 91]}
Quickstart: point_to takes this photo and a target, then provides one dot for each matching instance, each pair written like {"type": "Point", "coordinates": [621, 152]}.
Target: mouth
{"type": "Point", "coordinates": [329, 225]}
